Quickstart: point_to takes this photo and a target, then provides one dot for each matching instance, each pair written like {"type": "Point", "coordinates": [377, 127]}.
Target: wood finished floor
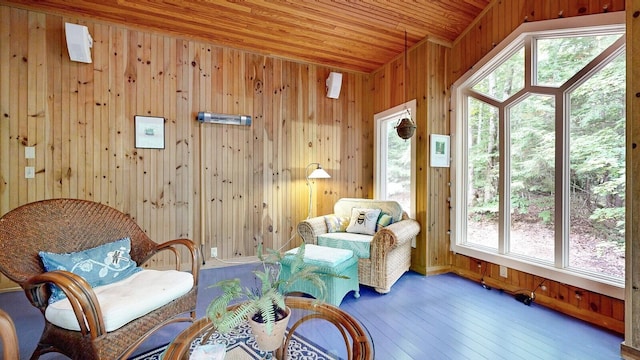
{"type": "Point", "coordinates": [436, 317]}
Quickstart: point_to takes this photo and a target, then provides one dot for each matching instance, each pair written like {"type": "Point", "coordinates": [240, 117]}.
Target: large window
{"type": "Point", "coordinates": [540, 153]}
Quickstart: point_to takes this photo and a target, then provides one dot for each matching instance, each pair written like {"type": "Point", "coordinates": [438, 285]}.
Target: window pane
{"type": "Point", "coordinates": [398, 168]}
{"type": "Point", "coordinates": [532, 127]}
{"type": "Point", "coordinates": [597, 177]}
{"type": "Point", "coordinates": [561, 58]}
{"type": "Point", "coordinates": [506, 80]}
{"type": "Point", "coordinates": [483, 172]}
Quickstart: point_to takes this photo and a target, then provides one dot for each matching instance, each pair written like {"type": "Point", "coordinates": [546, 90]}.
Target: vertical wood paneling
{"type": "Point", "coordinates": [135, 155]}
{"type": "Point", "coordinates": [99, 104]}
{"type": "Point", "coordinates": [38, 126]}
{"type": "Point", "coordinates": [427, 75]}
{"type": "Point", "coordinates": [86, 166]}
{"type": "Point", "coordinates": [262, 86]}
{"type": "Point", "coordinates": [5, 110]}
{"type": "Point", "coordinates": [18, 105]}
{"type": "Point", "coordinates": [186, 174]}
{"type": "Point", "coordinates": [631, 346]}
{"type": "Point", "coordinates": [421, 72]}
{"type": "Point", "coordinates": [439, 190]}
{"type": "Point", "coordinates": [63, 173]}
{"type": "Point", "coordinates": [80, 118]}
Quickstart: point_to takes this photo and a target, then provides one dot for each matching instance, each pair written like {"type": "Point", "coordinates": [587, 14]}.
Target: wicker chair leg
{"type": "Point", "coordinates": [39, 351]}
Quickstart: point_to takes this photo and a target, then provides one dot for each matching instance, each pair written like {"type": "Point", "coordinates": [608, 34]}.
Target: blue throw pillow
{"type": "Point", "coordinates": [101, 265]}
{"type": "Point", "coordinates": [383, 221]}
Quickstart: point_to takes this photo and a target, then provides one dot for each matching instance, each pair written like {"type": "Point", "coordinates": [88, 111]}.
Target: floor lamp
{"type": "Point", "coordinates": [317, 173]}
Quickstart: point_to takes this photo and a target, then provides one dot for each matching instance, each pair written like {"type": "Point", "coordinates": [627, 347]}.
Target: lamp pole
{"type": "Point", "coordinates": [317, 173]}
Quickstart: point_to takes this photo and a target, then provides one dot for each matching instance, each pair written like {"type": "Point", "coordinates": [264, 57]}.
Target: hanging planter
{"type": "Point", "coordinates": [406, 128]}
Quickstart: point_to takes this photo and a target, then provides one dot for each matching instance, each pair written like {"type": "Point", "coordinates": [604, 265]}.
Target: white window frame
{"type": "Point", "coordinates": [381, 120]}
{"type": "Point", "coordinates": [601, 22]}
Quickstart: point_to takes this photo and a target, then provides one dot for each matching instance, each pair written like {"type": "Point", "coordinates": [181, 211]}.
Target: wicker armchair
{"type": "Point", "coordinates": [389, 252]}
{"type": "Point", "coordinates": [68, 225]}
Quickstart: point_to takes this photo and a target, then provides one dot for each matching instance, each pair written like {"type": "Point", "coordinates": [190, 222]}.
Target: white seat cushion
{"type": "Point", "coordinates": [127, 299]}
{"type": "Point", "coordinates": [322, 255]}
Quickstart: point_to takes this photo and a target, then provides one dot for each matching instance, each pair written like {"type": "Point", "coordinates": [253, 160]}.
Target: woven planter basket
{"type": "Point", "coordinates": [405, 128]}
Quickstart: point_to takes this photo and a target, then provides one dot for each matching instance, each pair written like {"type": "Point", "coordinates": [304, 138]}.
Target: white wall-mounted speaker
{"type": "Point", "coordinates": [79, 42]}
{"type": "Point", "coordinates": [334, 83]}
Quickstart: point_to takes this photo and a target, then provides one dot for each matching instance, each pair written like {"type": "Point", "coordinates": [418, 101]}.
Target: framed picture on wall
{"type": "Point", "coordinates": [149, 132]}
{"type": "Point", "coordinates": [440, 151]}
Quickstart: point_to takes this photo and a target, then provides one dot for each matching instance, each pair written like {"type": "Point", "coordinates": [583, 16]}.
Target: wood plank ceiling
{"type": "Point", "coordinates": [357, 35]}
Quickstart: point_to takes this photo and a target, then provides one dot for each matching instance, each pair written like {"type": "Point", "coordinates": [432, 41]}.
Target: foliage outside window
{"type": "Point", "coordinates": [542, 154]}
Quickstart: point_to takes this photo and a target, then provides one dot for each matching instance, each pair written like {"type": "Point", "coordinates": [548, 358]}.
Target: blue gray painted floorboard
{"type": "Point", "coordinates": [437, 317]}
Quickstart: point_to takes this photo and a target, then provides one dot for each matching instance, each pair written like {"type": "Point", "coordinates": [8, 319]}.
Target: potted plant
{"type": "Point", "coordinates": [264, 304]}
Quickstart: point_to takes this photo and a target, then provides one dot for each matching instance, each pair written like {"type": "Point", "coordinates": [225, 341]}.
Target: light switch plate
{"type": "Point", "coordinates": [30, 152]}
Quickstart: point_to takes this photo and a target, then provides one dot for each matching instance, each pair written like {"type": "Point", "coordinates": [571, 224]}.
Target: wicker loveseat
{"type": "Point", "coordinates": [383, 256]}
{"type": "Point", "coordinates": [111, 320]}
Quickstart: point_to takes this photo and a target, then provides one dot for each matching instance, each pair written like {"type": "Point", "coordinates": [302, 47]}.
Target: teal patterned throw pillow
{"type": "Point", "coordinates": [99, 266]}
{"type": "Point", "coordinates": [384, 220]}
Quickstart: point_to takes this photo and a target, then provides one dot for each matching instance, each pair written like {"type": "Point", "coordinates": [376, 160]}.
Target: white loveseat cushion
{"type": "Point", "coordinates": [127, 299]}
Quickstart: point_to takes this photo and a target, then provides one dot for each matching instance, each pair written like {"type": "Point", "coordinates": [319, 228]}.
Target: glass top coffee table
{"type": "Point", "coordinates": [313, 327]}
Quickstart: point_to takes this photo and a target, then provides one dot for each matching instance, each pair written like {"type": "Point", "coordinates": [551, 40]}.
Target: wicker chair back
{"type": "Point", "coordinates": [62, 226]}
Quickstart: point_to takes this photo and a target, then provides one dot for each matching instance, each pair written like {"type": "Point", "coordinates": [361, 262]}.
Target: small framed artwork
{"type": "Point", "coordinates": [440, 152]}
{"type": "Point", "coordinates": [149, 132]}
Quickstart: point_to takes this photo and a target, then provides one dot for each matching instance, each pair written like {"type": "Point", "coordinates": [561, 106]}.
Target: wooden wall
{"type": "Point", "coordinates": [221, 185]}
{"type": "Point", "coordinates": [631, 345]}
{"type": "Point", "coordinates": [427, 82]}
{"type": "Point", "coordinates": [496, 23]}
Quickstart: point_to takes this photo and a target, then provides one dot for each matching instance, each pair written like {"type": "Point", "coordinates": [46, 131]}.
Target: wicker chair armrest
{"type": "Point", "coordinates": [309, 229]}
{"type": "Point", "coordinates": [392, 236]}
{"type": "Point", "coordinates": [172, 245]}
{"type": "Point", "coordinates": [80, 294]}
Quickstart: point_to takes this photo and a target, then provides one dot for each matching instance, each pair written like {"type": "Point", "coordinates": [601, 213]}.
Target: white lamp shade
{"type": "Point", "coordinates": [319, 173]}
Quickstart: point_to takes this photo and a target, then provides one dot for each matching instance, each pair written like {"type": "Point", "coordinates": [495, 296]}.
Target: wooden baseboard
{"type": "Point", "coordinates": [10, 289]}
{"type": "Point", "coordinates": [435, 270]}
{"type": "Point", "coordinates": [549, 302]}
{"type": "Point", "coordinates": [629, 353]}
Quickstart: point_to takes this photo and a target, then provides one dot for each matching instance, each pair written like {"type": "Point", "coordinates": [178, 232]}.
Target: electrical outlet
{"type": "Point", "coordinates": [214, 252]}
{"type": "Point", "coordinates": [503, 271]}
{"type": "Point", "coordinates": [29, 172]}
